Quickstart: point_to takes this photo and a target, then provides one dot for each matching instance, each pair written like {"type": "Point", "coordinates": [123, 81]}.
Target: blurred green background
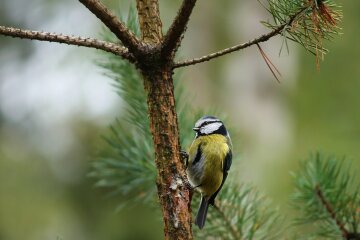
{"type": "Point", "coordinates": [55, 105]}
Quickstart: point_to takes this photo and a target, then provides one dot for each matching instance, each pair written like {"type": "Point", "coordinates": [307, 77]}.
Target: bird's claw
{"type": "Point", "coordinates": [184, 155]}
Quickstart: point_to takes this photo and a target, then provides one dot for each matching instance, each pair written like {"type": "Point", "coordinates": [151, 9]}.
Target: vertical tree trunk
{"type": "Point", "coordinates": [173, 193]}
{"type": "Point", "coordinates": [172, 190]}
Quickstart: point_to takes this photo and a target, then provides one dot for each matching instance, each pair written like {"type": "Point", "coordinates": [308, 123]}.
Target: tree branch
{"type": "Point", "coordinates": [149, 20]}
{"type": "Point", "coordinates": [70, 40]}
{"type": "Point", "coordinates": [114, 24]}
{"type": "Point", "coordinates": [262, 38]}
{"type": "Point", "coordinates": [331, 212]}
{"type": "Point", "coordinates": [234, 232]}
{"type": "Point", "coordinates": [173, 37]}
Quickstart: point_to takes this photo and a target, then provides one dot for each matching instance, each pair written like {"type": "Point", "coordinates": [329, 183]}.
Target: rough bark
{"type": "Point", "coordinates": [70, 40]}
{"type": "Point", "coordinates": [150, 22]}
{"type": "Point", "coordinates": [114, 24]}
{"type": "Point", "coordinates": [173, 193]}
{"type": "Point", "coordinates": [172, 190]}
{"type": "Point", "coordinates": [173, 37]}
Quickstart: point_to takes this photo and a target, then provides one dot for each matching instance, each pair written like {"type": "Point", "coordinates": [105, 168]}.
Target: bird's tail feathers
{"type": "Point", "coordinates": [202, 212]}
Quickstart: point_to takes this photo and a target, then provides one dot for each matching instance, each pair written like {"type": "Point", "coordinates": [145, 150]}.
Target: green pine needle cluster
{"type": "Point", "coordinates": [327, 200]}
{"type": "Point", "coordinates": [313, 22]}
{"type": "Point", "coordinates": [127, 167]}
{"type": "Point", "coordinates": [240, 213]}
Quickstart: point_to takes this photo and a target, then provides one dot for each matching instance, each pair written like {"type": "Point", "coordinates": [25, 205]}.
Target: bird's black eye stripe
{"type": "Point", "coordinates": [208, 122]}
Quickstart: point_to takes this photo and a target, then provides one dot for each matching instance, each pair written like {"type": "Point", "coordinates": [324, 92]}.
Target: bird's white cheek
{"type": "Point", "coordinates": [210, 128]}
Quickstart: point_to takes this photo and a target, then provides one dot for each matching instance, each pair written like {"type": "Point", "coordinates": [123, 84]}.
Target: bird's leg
{"type": "Point", "coordinates": [184, 156]}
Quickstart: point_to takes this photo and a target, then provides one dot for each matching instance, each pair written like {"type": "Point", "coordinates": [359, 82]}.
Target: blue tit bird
{"type": "Point", "coordinates": [209, 161]}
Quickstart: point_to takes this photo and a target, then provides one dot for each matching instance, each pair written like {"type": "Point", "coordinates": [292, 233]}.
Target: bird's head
{"type": "Point", "coordinates": [209, 125]}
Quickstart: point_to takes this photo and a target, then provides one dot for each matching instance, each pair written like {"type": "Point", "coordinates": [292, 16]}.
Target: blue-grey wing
{"type": "Point", "coordinates": [227, 162]}
{"type": "Point", "coordinates": [198, 155]}
{"type": "Point", "coordinates": [195, 168]}
{"type": "Point", "coordinates": [226, 167]}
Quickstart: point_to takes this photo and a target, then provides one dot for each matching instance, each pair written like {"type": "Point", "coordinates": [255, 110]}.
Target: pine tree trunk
{"type": "Point", "coordinates": [173, 193]}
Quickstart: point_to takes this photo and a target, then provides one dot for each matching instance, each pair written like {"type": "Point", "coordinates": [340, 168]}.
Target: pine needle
{"type": "Point", "coordinates": [268, 62]}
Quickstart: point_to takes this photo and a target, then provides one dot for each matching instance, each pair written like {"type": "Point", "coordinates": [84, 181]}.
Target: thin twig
{"type": "Point", "coordinates": [331, 212]}
{"type": "Point", "coordinates": [70, 40]}
{"type": "Point", "coordinates": [177, 28]}
{"type": "Point", "coordinates": [262, 38]}
{"type": "Point", "coordinates": [269, 60]}
{"type": "Point", "coordinates": [234, 232]}
{"type": "Point", "coordinates": [114, 24]}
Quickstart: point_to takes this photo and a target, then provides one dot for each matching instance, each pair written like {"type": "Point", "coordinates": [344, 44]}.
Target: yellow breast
{"type": "Point", "coordinates": [214, 149]}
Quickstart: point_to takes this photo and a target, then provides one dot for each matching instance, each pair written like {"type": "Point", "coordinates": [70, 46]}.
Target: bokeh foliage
{"type": "Point", "coordinates": [324, 111]}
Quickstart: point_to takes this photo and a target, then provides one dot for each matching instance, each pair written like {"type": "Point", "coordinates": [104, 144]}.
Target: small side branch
{"type": "Point", "coordinates": [114, 24]}
{"type": "Point", "coordinates": [262, 38]}
{"type": "Point", "coordinates": [331, 212]}
{"type": "Point", "coordinates": [234, 232]}
{"type": "Point", "coordinates": [70, 40]}
{"type": "Point", "coordinates": [173, 37]}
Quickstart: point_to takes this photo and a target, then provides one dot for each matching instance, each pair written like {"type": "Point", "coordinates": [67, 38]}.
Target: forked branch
{"type": "Point", "coordinates": [70, 40]}
{"type": "Point", "coordinates": [262, 38]}
{"type": "Point", "coordinates": [114, 24]}
{"type": "Point", "coordinates": [173, 37]}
